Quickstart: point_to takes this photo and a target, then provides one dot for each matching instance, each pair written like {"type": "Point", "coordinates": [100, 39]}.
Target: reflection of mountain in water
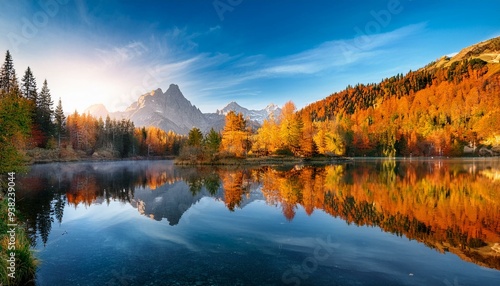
{"type": "Point", "coordinates": [167, 201]}
{"type": "Point", "coordinates": [171, 201]}
{"type": "Point", "coordinates": [49, 188]}
{"type": "Point", "coordinates": [448, 206]}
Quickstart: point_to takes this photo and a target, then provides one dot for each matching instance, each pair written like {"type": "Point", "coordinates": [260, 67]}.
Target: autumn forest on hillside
{"type": "Point", "coordinates": [449, 109]}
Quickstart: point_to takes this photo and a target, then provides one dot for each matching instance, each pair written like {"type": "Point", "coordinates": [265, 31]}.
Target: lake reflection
{"type": "Point", "coordinates": [265, 225]}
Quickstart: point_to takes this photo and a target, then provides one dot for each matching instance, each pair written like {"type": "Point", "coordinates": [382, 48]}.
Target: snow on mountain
{"type": "Point", "coordinates": [170, 110]}
{"type": "Point", "coordinates": [254, 115]}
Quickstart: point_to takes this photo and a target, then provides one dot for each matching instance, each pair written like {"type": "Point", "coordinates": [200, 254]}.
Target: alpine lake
{"type": "Point", "coordinates": [362, 222]}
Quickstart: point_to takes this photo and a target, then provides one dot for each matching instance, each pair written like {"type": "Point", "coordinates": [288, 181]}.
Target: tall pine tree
{"type": "Point", "coordinates": [28, 86]}
{"type": "Point", "coordinates": [44, 110]}
{"type": "Point", "coordinates": [7, 74]}
{"type": "Point", "coordinates": [59, 122]}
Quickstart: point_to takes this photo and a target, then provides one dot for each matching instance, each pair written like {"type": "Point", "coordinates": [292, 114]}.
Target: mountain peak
{"type": "Point", "coordinates": [173, 87]}
{"type": "Point", "coordinates": [174, 92]}
{"type": "Point", "coordinates": [168, 110]}
{"type": "Point", "coordinates": [488, 51]}
{"type": "Point", "coordinates": [272, 106]}
{"type": "Point", "coordinates": [97, 110]}
{"type": "Point", "coordinates": [255, 115]}
{"type": "Point", "coordinates": [233, 104]}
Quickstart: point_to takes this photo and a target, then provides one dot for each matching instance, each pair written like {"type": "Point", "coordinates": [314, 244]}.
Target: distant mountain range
{"type": "Point", "coordinates": [170, 110]}
{"type": "Point", "coordinates": [255, 115]}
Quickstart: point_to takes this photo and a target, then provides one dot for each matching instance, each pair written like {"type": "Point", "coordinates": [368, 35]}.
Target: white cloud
{"type": "Point", "coordinates": [117, 55]}
{"type": "Point", "coordinates": [337, 53]}
{"type": "Point", "coordinates": [328, 55]}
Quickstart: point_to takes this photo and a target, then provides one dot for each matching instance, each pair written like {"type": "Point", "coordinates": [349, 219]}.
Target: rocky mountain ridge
{"type": "Point", "coordinates": [170, 110]}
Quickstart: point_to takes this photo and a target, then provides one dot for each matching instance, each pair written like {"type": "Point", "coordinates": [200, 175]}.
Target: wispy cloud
{"type": "Point", "coordinates": [323, 58]}
{"type": "Point", "coordinates": [203, 76]}
{"type": "Point", "coordinates": [181, 38]}
{"type": "Point", "coordinates": [121, 54]}
{"type": "Point", "coordinates": [337, 53]}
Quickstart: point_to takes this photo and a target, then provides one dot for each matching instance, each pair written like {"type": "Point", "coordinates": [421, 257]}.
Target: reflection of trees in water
{"type": "Point", "coordinates": [45, 192]}
{"type": "Point", "coordinates": [235, 184]}
{"type": "Point", "coordinates": [446, 206]}
{"type": "Point", "coordinates": [284, 188]}
{"type": "Point", "coordinates": [39, 209]}
{"type": "Point", "coordinates": [48, 189]}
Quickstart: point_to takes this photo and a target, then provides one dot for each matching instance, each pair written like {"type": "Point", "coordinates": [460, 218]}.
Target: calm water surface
{"type": "Point", "coordinates": [373, 222]}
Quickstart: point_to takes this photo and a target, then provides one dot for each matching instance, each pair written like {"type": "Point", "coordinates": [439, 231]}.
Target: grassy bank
{"type": "Point", "coordinates": [40, 156]}
{"type": "Point", "coordinates": [263, 160]}
{"type": "Point", "coordinates": [25, 262]}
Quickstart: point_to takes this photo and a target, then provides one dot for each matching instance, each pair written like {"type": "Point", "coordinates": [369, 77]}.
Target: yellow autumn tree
{"type": "Point", "coordinates": [235, 135]}
{"type": "Point", "coordinates": [267, 139]}
{"type": "Point", "coordinates": [290, 128]}
{"type": "Point", "coordinates": [307, 145]}
{"type": "Point", "coordinates": [329, 138]}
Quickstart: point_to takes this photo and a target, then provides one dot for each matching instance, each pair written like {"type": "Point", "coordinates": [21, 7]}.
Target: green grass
{"type": "Point", "coordinates": [25, 261]}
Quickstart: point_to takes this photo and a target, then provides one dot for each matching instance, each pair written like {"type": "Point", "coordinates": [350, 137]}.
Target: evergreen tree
{"type": "Point", "coordinates": [44, 110]}
{"type": "Point", "coordinates": [195, 137]}
{"type": "Point", "coordinates": [60, 122]}
{"type": "Point", "coordinates": [126, 137]}
{"type": "Point", "coordinates": [212, 141]}
{"type": "Point", "coordinates": [28, 86]}
{"type": "Point", "coordinates": [14, 87]}
{"type": "Point", "coordinates": [7, 74]}
{"type": "Point", "coordinates": [108, 130]}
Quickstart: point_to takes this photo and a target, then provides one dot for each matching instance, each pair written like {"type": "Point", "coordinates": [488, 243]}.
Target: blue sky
{"type": "Point", "coordinates": [252, 52]}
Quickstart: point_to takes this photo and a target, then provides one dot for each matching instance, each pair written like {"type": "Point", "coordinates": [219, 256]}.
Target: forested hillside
{"type": "Point", "coordinates": [437, 110]}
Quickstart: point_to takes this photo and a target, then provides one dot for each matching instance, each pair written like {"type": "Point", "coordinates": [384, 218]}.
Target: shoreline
{"type": "Point", "coordinates": [289, 160]}
{"type": "Point", "coordinates": [254, 161]}
{"type": "Point", "coordinates": [91, 160]}
{"type": "Point", "coordinates": [262, 160]}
